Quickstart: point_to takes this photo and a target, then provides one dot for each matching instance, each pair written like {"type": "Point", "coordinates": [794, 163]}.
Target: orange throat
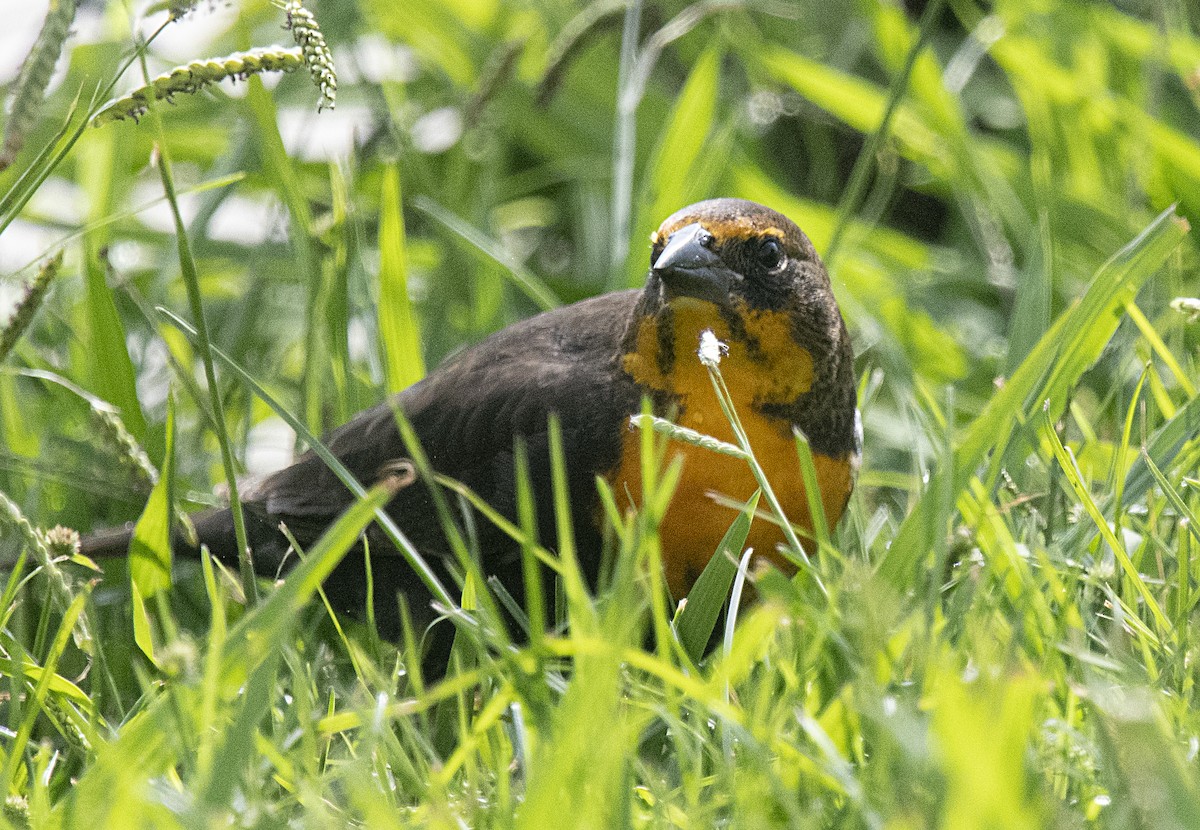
{"type": "Point", "coordinates": [776, 370]}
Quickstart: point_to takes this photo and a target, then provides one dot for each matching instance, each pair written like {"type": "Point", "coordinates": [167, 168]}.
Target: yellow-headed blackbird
{"type": "Point", "coordinates": [734, 267]}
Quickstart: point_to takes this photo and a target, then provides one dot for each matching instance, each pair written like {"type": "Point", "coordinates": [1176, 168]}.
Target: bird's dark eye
{"type": "Point", "coordinates": [770, 253]}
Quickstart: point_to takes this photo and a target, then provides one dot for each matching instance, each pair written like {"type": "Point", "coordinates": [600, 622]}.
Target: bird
{"type": "Point", "coordinates": [732, 267]}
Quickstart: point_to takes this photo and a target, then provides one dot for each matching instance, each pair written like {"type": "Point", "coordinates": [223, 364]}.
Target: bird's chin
{"type": "Point", "coordinates": [696, 286]}
{"type": "Point", "coordinates": [687, 302]}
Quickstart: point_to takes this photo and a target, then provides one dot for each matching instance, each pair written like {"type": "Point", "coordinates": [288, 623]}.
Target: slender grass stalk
{"type": "Point", "coordinates": [856, 187]}
{"type": "Point", "coordinates": [1119, 479]}
{"type": "Point", "coordinates": [399, 334]}
{"type": "Point", "coordinates": [72, 615]}
{"type": "Point", "coordinates": [1160, 348]}
{"type": "Point", "coordinates": [531, 285]}
{"type": "Point", "coordinates": [624, 147]}
{"type": "Point", "coordinates": [191, 280]}
{"type": "Point", "coordinates": [710, 357]}
{"type": "Point", "coordinates": [633, 75]}
{"type": "Point", "coordinates": [394, 534]}
{"type": "Point", "coordinates": [591, 20]}
{"type": "Point", "coordinates": [122, 216]}
{"type": "Point", "coordinates": [1066, 460]}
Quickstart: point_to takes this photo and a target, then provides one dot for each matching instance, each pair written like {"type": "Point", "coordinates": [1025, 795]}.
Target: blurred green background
{"type": "Point", "coordinates": [1033, 142]}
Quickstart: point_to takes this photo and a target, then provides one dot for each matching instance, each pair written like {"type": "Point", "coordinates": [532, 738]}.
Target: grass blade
{"type": "Point", "coordinates": [150, 547]}
{"type": "Point", "coordinates": [529, 283]}
{"type": "Point", "coordinates": [395, 535]}
{"type": "Point", "coordinates": [695, 623]}
{"type": "Point", "coordinates": [1066, 460]}
{"type": "Point", "coordinates": [398, 334]}
{"type": "Point", "coordinates": [1165, 445]}
{"type": "Point", "coordinates": [1071, 345]}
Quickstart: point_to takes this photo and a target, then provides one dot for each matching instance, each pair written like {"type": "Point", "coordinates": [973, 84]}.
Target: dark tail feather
{"type": "Point", "coordinates": [214, 529]}
{"type": "Point", "coordinates": [107, 544]}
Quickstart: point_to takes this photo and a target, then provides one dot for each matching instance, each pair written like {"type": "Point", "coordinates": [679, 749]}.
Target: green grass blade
{"type": "Point", "coordinates": [262, 629]}
{"type": "Point", "coordinates": [394, 534]}
{"type": "Point", "coordinates": [1066, 460]}
{"type": "Point", "coordinates": [531, 285]}
{"type": "Point", "coordinates": [675, 171]}
{"type": "Point", "coordinates": [143, 628]}
{"type": "Point", "coordinates": [583, 613]}
{"type": "Point", "coordinates": [859, 176]}
{"type": "Point", "coordinates": [111, 372]}
{"type": "Point", "coordinates": [151, 741]}
{"type": "Point", "coordinates": [695, 623]}
{"type": "Point", "coordinates": [150, 547]}
{"type": "Point", "coordinates": [1165, 445]}
{"type": "Point", "coordinates": [238, 747]}
{"type": "Point", "coordinates": [398, 333]}
{"type": "Point", "coordinates": [1144, 766]}
{"type": "Point", "coordinates": [1187, 517]}
{"type": "Point", "coordinates": [210, 678]}
{"type": "Point", "coordinates": [58, 684]}
{"type": "Point", "coordinates": [531, 569]}
{"type": "Point", "coordinates": [37, 697]}
{"type": "Point", "coordinates": [1071, 345]}
{"type": "Point", "coordinates": [812, 492]}
{"type": "Point", "coordinates": [191, 281]}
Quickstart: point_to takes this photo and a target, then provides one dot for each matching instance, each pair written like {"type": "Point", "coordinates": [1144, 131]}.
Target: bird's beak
{"type": "Point", "coordinates": [688, 267]}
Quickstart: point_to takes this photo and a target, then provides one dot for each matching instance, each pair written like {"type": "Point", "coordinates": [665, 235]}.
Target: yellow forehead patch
{"type": "Point", "coordinates": [724, 229]}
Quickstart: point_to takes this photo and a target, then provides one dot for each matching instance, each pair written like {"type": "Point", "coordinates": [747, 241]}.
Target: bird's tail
{"type": "Point", "coordinates": [109, 543]}
{"type": "Point", "coordinates": [214, 530]}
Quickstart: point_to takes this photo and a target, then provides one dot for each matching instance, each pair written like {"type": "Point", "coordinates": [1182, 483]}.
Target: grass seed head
{"type": "Point", "coordinates": [317, 57]}
{"type": "Point", "coordinates": [196, 75]}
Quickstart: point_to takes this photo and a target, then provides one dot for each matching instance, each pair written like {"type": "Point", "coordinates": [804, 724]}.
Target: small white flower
{"type": "Point", "coordinates": [711, 349]}
{"type": "Point", "coordinates": [1189, 306]}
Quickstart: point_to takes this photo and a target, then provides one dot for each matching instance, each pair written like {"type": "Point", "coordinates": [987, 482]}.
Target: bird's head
{"type": "Point", "coordinates": [750, 276]}
{"type": "Point", "coordinates": [734, 253]}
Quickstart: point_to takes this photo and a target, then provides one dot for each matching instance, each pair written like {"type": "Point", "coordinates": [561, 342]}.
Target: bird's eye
{"type": "Point", "coordinates": [770, 253]}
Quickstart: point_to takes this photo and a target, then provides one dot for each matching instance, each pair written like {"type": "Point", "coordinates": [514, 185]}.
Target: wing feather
{"type": "Point", "coordinates": [468, 412]}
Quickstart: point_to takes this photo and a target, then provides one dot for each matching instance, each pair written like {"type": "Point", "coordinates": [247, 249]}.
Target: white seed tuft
{"type": "Point", "coordinates": [711, 349]}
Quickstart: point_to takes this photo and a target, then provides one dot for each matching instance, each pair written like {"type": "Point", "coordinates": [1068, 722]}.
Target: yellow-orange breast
{"type": "Point", "coordinates": [776, 370]}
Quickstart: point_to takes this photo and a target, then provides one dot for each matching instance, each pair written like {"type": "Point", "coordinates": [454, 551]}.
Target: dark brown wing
{"type": "Point", "coordinates": [469, 410]}
{"type": "Point", "coordinates": [467, 414]}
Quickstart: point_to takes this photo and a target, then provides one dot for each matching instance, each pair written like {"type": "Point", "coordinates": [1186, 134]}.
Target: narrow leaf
{"type": "Point", "coordinates": [695, 623]}
{"type": "Point", "coordinates": [398, 333]}
{"type": "Point", "coordinates": [1067, 462]}
{"type": "Point", "coordinates": [264, 627]}
{"type": "Point", "coordinates": [1051, 369]}
{"type": "Point", "coordinates": [143, 629]}
{"type": "Point", "coordinates": [150, 548]}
